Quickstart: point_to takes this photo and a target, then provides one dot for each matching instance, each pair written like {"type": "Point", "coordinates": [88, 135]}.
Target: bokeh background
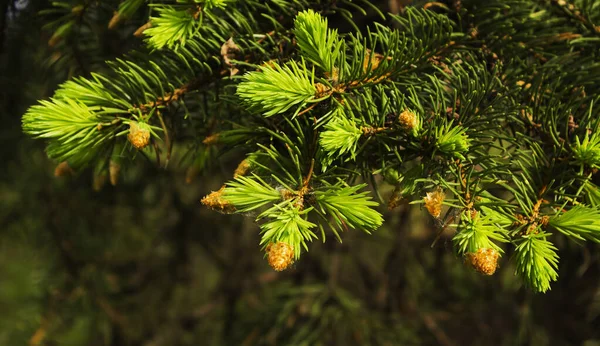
{"type": "Point", "coordinates": [144, 263]}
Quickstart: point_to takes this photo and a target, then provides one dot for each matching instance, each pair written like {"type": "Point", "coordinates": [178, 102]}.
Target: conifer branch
{"type": "Point", "coordinates": [486, 116]}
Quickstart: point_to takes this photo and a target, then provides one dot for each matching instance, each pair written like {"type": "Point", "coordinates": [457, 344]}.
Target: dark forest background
{"type": "Point", "coordinates": [144, 263]}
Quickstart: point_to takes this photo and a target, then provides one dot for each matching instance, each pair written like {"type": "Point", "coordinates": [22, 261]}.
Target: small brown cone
{"type": "Point", "coordinates": [373, 60]}
{"type": "Point", "coordinates": [334, 75]}
{"type": "Point", "coordinates": [114, 168]}
{"type": "Point", "coordinates": [395, 199]}
{"type": "Point", "coordinates": [216, 202]}
{"type": "Point", "coordinates": [63, 169]}
{"type": "Point", "coordinates": [322, 90]}
{"type": "Point", "coordinates": [280, 255]}
{"type": "Point", "coordinates": [408, 119]}
{"type": "Point", "coordinates": [433, 202]}
{"type": "Point", "coordinates": [485, 260]}
{"type": "Point", "coordinates": [138, 136]}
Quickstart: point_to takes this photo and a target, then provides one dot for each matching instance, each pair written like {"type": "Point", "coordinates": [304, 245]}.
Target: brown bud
{"type": "Point", "coordinates": [287, 194]}
{"type": "Point", "coordinates": [212, 139]}
{"type": "Point", "coordinates": [242, 169]}
{"type": "Point", "coordinates": [280, 255]}
{"type": "Point", "coordinates": [139, 135]}
{"type": "Point", "coordinates": [63, 169]}
{"type": "Point", "coordinates": [114, 169]}
{"type": "Point", "coordinates": [334, 75]}
{"type": "Point", "coordinates": [373, 59]}
{"type": "Point", "coordinates": [322, 90]}
{"type": "Point", "coordinates": [140, 31]}
{"type": "Point", "coordinates": [395, 199]}
{"type": "Point", "coordinates": [485, 260]}
{"type": "Point", "coordinates": [114, 21]}
{"type": "Point", "coordinates": [408, 119]}
{"type": "Point", "coordinates": [433, 202]}
{"type": "Point", "coordinates": [216, 202]}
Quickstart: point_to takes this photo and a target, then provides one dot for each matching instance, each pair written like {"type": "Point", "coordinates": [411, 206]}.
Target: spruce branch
{"type": "Point", "coordinates": [340, 137]}
{"type": "Point", "coordinates": [276, 89]}
{"type": "Point", "coordinates": [452, 140]}
{"type": "Point", "coordinates": [476, 231]}
{"type": "Point", "coordinates": [579, 222]}
{"type": "Point", "coordinates": [318, 43]}
{"type": "Point", "coordinates": [587, 151]}
{"type": "Point", "coordinates": [76, 132]}
{"type": "Point", "coordinates": [287, 224]}
{"type": "Point", "coordinates": [592, 194]}
{"type": "Point", "coordinates": [537, 261]}
{"type": "Point", "coordinates": [249, 193]}
{"type": "Point", "coordinates": [348, 207]}
{"type": "Point", "coordinates": [172, 27]}
{"type": "Point", "coordinates": [473, 102]}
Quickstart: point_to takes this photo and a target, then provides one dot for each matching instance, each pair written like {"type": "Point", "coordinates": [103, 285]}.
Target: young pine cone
{"type": "Point", "coordinates": [484, 260]}
{"type": "Point", "coordinates": [216, 202]}
{"type": "Point", "coordinates": [139, 134]}
{"type": "Point", "coordinates": [408, 119]}
{"type": "Point", "coordinates": [433, 202]}
{"type": "Point", "coordinates": [280, 255]}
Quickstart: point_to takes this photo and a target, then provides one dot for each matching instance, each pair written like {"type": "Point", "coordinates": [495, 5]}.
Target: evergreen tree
{"type": "Point", "coordinates": [483, 113]}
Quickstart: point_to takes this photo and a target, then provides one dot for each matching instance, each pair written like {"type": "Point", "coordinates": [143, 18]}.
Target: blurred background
{"type": "Point", "coordinates": [144, 263]}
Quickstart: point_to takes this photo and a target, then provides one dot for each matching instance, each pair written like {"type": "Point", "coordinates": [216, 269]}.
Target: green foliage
{"type": "Point", "coordinates": [171, 28]}
{"type": "Point", "coordinates": [209, 4]}
{"type": "Point", "coordinates": [318, 43]}
{"type": "Point", "coordinates": [349, 208]}
{"type": "Point", "coordinates": [287, 224]}
{"type": "Point", "coordinates": [587, 152]}
{"type": "Point", "coordinates": [74, 129]}
{"type": "Point", "coordinates": [340, 136]}
{"type": "Point", "coordinates": [493, 103]}
{"type": "Point", "coordinates": [276, 89]}
{"type": "Point", "coordinates": [477, 232]}
{"type": "Point", "coordinates": [579, 222]}
{"type": "Point", "coordinates": [128, 8]}
{"type": "Point", "coordinates": [592, 194]}
{"type": "Point", "coordinates": [452, 140]}
{"type": "Point", "coordinates": [537, 261]}
{"type": "Point", "coordinates": [332, 105]}
{"type": "Point", "coordinates": [250, 193]}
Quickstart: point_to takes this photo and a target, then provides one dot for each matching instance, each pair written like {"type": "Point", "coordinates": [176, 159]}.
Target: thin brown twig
{"type": "Point", "coordinates": [310, 173]}
{"type": "Point", "coordinates": [308, 109]}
